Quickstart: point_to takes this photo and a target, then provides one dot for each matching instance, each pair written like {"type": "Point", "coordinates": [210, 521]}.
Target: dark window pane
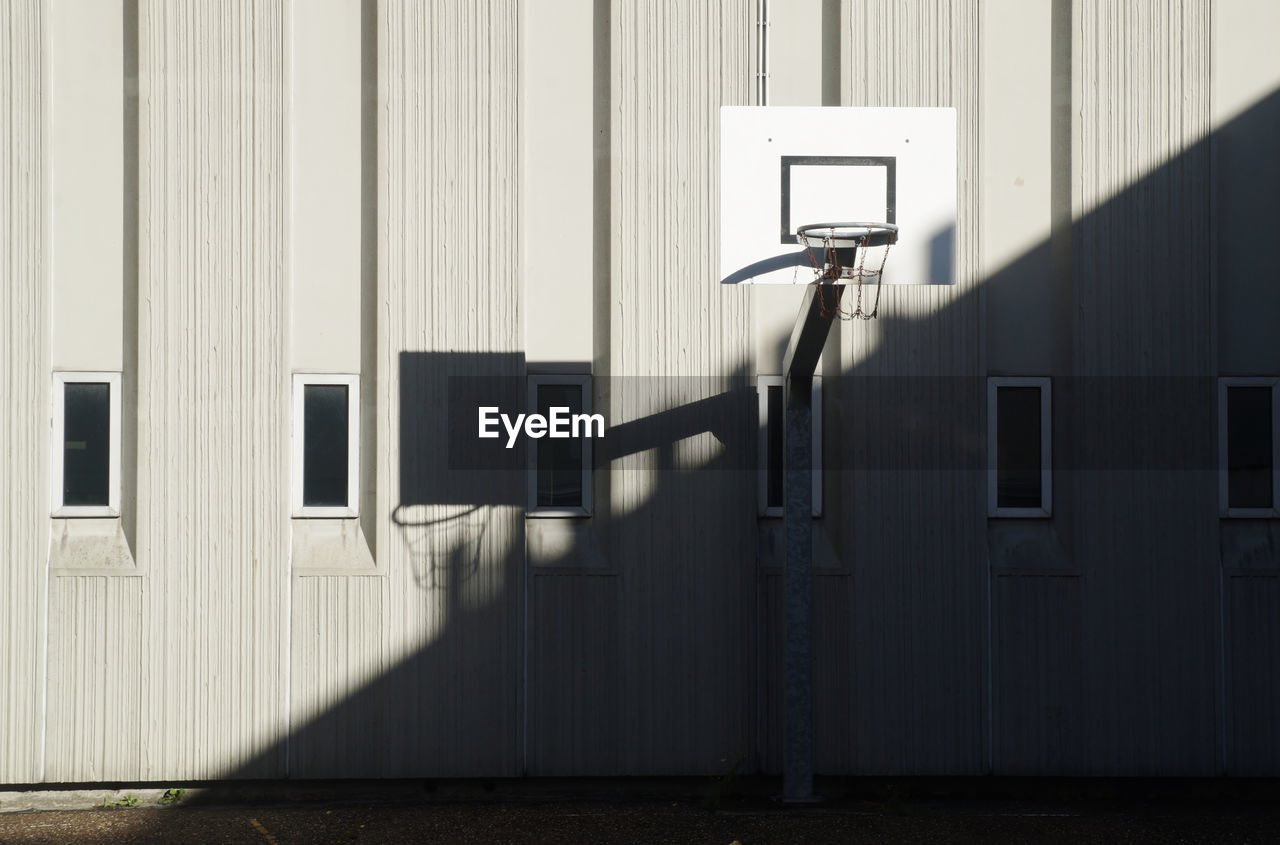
{"type": "Point", "coordinates": [324, 457]}
{"type": "Point", "coordinates": [86, 447]}
{"type": "Point", "coordinates": [1018, 447]}
{"type": "Point", "coordinates": [559, 459]}
{"type": "Point", "coordinates": [774, 442]}
{"type": "Point", "coordinates": [1249, 458]}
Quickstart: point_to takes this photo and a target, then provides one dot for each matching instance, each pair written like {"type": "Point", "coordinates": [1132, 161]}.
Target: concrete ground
{"type": "Point", "coordinates": [624, 812]}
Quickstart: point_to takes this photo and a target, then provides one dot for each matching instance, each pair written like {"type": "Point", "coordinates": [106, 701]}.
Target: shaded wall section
{"type": "Point", "coordinates": [1140, 307]}
{"type": "Point", "coordinates": [1124, 577]}
{"type": "Point", "coordinates": [439, 625]}
{"type": "Point", "coordinates": [900, 633]}
{"type": "Point", "coordinates": [674, 599]}
{"type": "Point", "coordinates": [684, 592]}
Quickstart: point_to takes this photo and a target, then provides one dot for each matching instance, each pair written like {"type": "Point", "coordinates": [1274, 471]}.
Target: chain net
{"type": "Point", "coordinates": [826, 268]}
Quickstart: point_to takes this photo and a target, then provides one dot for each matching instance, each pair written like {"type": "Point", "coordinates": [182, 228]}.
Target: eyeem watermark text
{"type": "Point", "coordinates": [561, 423]}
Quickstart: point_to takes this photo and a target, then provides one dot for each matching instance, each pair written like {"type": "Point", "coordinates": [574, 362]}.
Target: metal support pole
{"type": "Point", "coordinates": [797, 785]}
{"type": "Point", "coordinates": [804, 351]}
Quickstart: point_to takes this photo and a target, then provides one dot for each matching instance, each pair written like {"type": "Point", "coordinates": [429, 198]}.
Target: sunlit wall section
{"type": "Point", "coordinates": [95, 620]}
{"type": "Point", "coordinates": [921, 53]}
{"type": "Point", "coordinates": [416, 670]}
{"type": "Point", "coordinates": [213, 384]}
{"type": "Point", "coordinates": [23, 388]}
{"type": "Point", "coordinates": [1140, 244]}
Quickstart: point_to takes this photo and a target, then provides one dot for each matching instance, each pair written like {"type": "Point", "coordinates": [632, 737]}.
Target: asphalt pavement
{"type": "Point", "coordinates": [619, 819]}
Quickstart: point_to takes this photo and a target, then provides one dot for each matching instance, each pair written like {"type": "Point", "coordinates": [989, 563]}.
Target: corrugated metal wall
{"type": "Point", "coordinates": [1141, 345]}
{"type": "Point", "coordinates": [417, 670]}
{"type": "Point", "coordinates": [665, 685]}
{"type": "Point", "coordinates": [1128, 635]}
{"type": "Point", "coordinates": [179, 672]}
{"type": "Point", "coordinates": [900, 654]}
{"type": "Point", "coordinates": [1252, 609]}
{"type": "Point", "coordinates": [683, 591]}
{"type": "Point", "coordinates": [24, 388]}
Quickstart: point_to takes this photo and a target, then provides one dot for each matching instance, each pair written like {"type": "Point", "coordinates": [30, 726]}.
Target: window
{"type": "Point", "coordinates": [86, 444]}
{"type": "Point", "coordinates": [771, 393]}
{"type": "Point", "coordinates": [560, 467]}
{"type": "Point", "coordinates": [326, 445]}
{"type": "Point", "coordinates": [1019, 447]}
{"type": "Point", "coordinates": [1247, 446]}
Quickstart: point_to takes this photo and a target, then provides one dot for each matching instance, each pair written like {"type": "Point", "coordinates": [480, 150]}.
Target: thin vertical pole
{"type": "Point", "coordinates": [797, 784]}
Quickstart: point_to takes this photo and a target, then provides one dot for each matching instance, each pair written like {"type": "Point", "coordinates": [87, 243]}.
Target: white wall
{"type": "Point", "coordinates": [553, 252]}
{"type": "Point", "coordinates": [24, 387]}
{"type": "Point", "coordinates": [1015, 213]}
{"type": "Point", "coordinates": [801, 43]}
{"type": "Point", "coordinates": [324, 175]}
{"type": "Point", "coordinates": [86, 147]}
{"type": "Point", "coordinates": [415, 191]}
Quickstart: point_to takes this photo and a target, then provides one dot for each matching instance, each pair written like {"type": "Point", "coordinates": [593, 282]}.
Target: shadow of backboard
{"type": "Point", "coordinates": [440, 394]}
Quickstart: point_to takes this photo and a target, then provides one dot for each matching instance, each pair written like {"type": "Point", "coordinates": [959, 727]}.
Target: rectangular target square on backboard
{"type": "Point", "coordinates": [784, 167]}
{"type": "Point", "coordinates": [836, 189]}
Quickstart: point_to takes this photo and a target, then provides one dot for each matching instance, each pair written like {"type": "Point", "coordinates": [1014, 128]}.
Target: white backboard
{"type": "Point", "coordinates": [784, 167]}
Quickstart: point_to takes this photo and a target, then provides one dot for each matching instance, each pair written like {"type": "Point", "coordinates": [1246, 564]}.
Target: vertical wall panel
{"type": "Point", "coordinates": [24, 391]}
{"type": "Point", "coordinates": [95, 649]}
{"type": "Point", "coordinates": [417, 672]}
{"type": "Point", "coordinates": [1138, 504]}
{"type": "Point", "coordinates": [213, 381]}
{"type": "Point", "coordinates": [1038, 676]}
{"type": "Point", "coordinates": [682, 526]}
{"type": "Point", "coordinates": [906, 505]}
{"type": "Point", "coordinates": [1141, 267]}
{"type": "Point", "coordinates": [448, 215]}
{"type": "Point", "coordinates": [575, 713]}
{"type": "Point", "coordinates": [1253, 669]}
{"type": "Point", "coordinates": [94, 655]}
{"type": "Point", "coordinates": [336, 651]}
{"type": "Point", "coordinates": [922, 53]}
{"type": "Point", "coordinates": [1245, 102]}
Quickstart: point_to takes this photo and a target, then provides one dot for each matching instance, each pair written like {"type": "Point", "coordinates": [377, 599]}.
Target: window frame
{"type": "Point", "coordinates": [583, 382]}
{"type": "Point", "coordinates": [1044, 383]}
{"type": "Point", "coordinates": [763, 383]}
{"type": "Point", "coordinates": [58, 424]}
{"type": "Point", "coordinates": [298, 446]}
{"type": "Point", "coordinates": [1224, 506]}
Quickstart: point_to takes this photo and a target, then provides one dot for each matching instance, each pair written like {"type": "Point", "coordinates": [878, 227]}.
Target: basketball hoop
{"type": "Point", "coordinates": [844, 248]}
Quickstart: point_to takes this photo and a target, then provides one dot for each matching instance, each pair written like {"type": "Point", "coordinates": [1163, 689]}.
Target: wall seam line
{"type": "Point", "coordinates": [46, 276]}
{"type": "Point", "coordinates": [287, 240]}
